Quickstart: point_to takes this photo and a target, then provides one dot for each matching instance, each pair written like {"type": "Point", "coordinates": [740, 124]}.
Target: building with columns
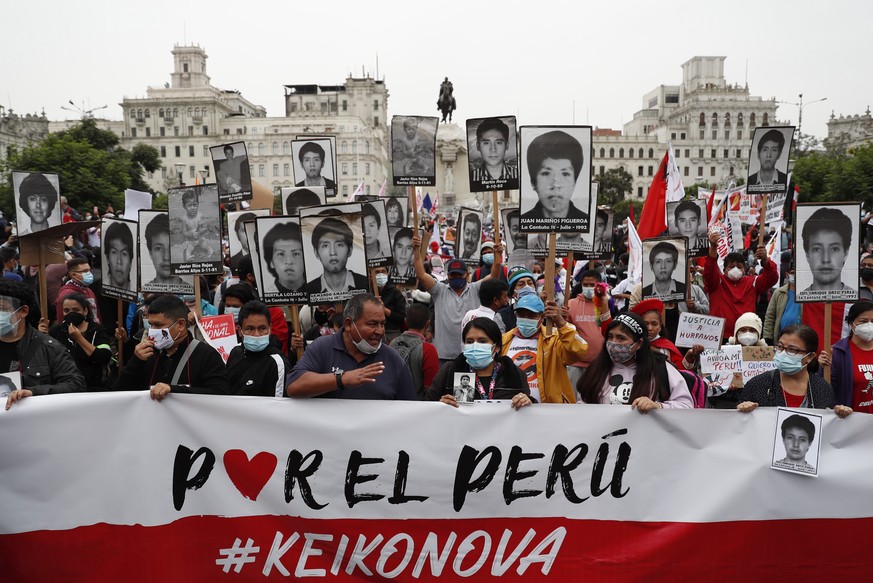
{"type": "Point", "coordinates": [20, 131]}
{"type": "Point", "coordinates": [849, 131]}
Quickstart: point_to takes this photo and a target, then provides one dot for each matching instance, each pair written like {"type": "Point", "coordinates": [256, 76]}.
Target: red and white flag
{"type": "Point", "coordinates": [358, 191]}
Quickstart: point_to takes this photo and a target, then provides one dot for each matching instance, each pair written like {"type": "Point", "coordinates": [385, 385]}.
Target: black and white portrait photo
{"type": "Point", "coordinates": [118, 244]}
{"type": "Point", "coordinates": [513, 238]}
{"type": "Point", "coordinates": [468, 241]}
{"type": "Point", "coordinates": [195, 230]}
{"type": "Point", "coordinates": [9, 381]}
{"type": "Point", "coordinates": [555, 184]}
{"type": "Point", "coordinates": [768, 160]}
{"type": "Point", "coordinates": [463, 386]}
{"type": "Point", "coordinates": [403, 270]}
{"type": "Point", "coordinates": [396, 209]}
{"type": "Point", "coordinates": [295, 198]}
{"type": "Point", "coordinates": [797, 442]}
{"type": "Point", "coordinates": [826, 252]}
{"type": "Point", "coordinates": [377, 243]}
{"type": "Point", "coordinates": [601, 247]}
{"type": "Point", "coordinates": [315, 164]}
{"type": "Point", "coordinates": [492, 153]}
{"type": "Point", "coordinates": [664, 269]}
{"type": "Point", "coordinates": [237, 242]}
{"type": "Point", "coordinates": [413, 150]}
{"type": "Point", "coordinates": [336, 265]}
{"type": "Point", "coordinates": [156, 272]}
{"type": "Point", "coordinates": [231, 163]}
{"type": "Point", "coordinates": [687, 218]}
{"type": "Point", "coordinates": [281, 272]}
{"type": "Point", "coordinates": [38, 201]}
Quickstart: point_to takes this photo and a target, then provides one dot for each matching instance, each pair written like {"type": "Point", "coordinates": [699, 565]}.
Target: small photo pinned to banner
{"type": "Point", "coordinates": [281, 274]}
{"type": "Point", "coordinates": [238, 243]}
{"type": "Point", "coordinates": [413, 150]}
{"type": "Point", "coordinates": [664, 273]}
{"type": "Point", "coordinates": [555, 185]}
{"type": "Point", "coordinates": [295, 198]}
{"type": "Point", "coordinates": [376, 239]}
{"type": "Point", "coordinates": [118, 245]}
{"type": "Point", "coordinates": [513, 238]}
{"type": "Point", "coordinates": [468, 241]}
{"type": "Point", "coordinates": [463, 386]}
{"type": "Point", "coordinates": [687, 218]}
{"type": "Point", "coordinates": [826, 256]}
{"type": "Point", "coordinates": [336, 264]}
{"type": "Point", "coordinates": [797, 442]}
{"type": "Point", "coordinates": [9, 381]}
{"type": "Point", "coordinates": [156, 273]}
{"type": "Point", "coordinates": [231, 163]}
{"type": "Point", "coordinates": [396, 211]}
{"type": "Point", "coordinates": [403, 270]}
{"type": "Point", "coordinates": [492, 153]}
{"type": "Point", "coordinates": [315, 164]}
{"type": "Point", "coordinates": [195, 230]}
{"type": "Point", "coordinates": [37, 201]}
{"type": "Point", "coordinates": [768, 160]}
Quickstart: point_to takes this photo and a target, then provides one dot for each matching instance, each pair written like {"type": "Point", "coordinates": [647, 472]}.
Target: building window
{"type": "Point", "coordinates": [161, 113]}
{"type": "Point", "coordinates": [682, 136]}
{"type": "Point", "coordinates": [367, 168]}
{"type": "Point", "coordinates": [700, 152]}
{"type": "Point", "coordinates": [345, 168]}
{"type": "Point", "coordinates": [702, 134]}
{"type": "Point", "coordinates": [354, 146]}
{"type": "Point", "coordinates": [375, 121]}
{"type": "Point", "coordinates": [630, 152]}
{"type": "Point", "coordinates": [366, 146]}
{"type": "Point", "coordinates": [205, 151]}
{"type": "Point", "coordinates": [191, 171]}
{"type": "Point", "coordinates": [639, 192]}
{"type": "Point", "coordinates": [739, 134]}
{"type": "Point", "coordinates": [726, 153]}
{"type": "Point", "coordinates": [239, 131]}
{"type": "Point", "coordinates": [190, 130]}
{"type": "Point", "coordinates": [621, 153]}
{"type": "Point", "coordinates": [375, 105]}
{"type": "Point", "coordinates": [732, 170]}
{"type": "Point", "coordinates": [740, 120]}
{"type": "Point", "coordinates": [286, 148]}
{"type": "Point", "coordinates": [254, 130]}
{"type": "Point", "coordinates": [161, 131]}
{"type": "Point", "coordinates": [602, 169]}
{"type": "Point", "coordinates": [651, 170]}
{"type": "Point", "coordinates": [275, 170]}
{"type": "Point", "coordinates": [205, 130]}
{"type": "Point", "coordinates": [739, 152]}
{"type": "Point", "coordinates": [345, 189]}
{"type": "Point", "coordinates": [673, 136]}
{"type": "Point", "coordinates": [686, 171]}
{"type": "Point", "coordinates": [714, 119]}
{"type": "Point", "coordinates": [639, 170]}
{"type": "Point", "coordinates": [163, 172]}
{"type": "Point", "coordinates": [275, 148]}
{"type": "Point", "coordinates": [148, 132]}
{"type": "Point", "coordinates": [163, 151]}
{"type": "Point", "coordinates": [132, 132]}
{"type": "Point", "coordinates": [702, 120]}
{"type": "Point", "coordinates": [727, 120]}
{"type": "Point", "coordinates": [678, 153]}
{"type": "Point", "coordinates": [261, 150]}
{"type": "Point", "coordinates": [700, 170]}
{"type": "Point", "coordinates": [178, 151]}
{"type": "Point", "coordinates": [175, 130]}
{"type": "Point", "coordinates": [712, 171]}
{"type": "Point", "coordinates": [687, 153]}
{"type": "Point", "coordinates": [751, 120]}
{"type": "Point", "coordinates": [714, 134]}
{"type": "Point", "coordinates": [603, 152]}
{"type": "Point", "coordinates": [260, 169]}
{"type": "Point", "coordinates": [712, 153]}
{"type": "Point", "coordinates": [612, 152]}
{"type": "Point", "coordinates": [286, 169]}
{"type": "Point", "coordinates": [765, 120]}
{"type": "Point", "coordinates": [344, 148]}
{"type": "Point", "coordinates": [191, 151]}
{"type": "Point", "coordinates": [368, 190]}
{"type": "Point", "coordinates": [641, 153]}
{"type": "Point", "coordinates": [651, 153]}
{"type": "Point", "coordinates": [345, 105]}
{"type": "Point", "coordinates": [355, 168]}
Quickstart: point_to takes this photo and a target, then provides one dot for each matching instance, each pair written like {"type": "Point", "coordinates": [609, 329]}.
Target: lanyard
{"type": "Point", "coordinates": [479, 386]}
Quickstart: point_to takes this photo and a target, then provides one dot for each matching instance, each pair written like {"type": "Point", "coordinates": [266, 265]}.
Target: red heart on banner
{"type": "Point", "coordinates": [249, 476]}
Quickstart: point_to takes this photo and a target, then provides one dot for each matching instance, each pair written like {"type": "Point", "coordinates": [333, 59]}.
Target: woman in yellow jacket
{"type": "Point", "coordinates": [544, 357]}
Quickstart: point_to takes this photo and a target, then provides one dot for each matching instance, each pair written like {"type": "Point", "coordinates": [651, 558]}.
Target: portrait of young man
{"type": "Point", "coordinates": [314, 165]}
{"type": "Point", "coordinates": [155, 268]}
{"type": "Point", "coordinates": [664, 270]}
{"type": "Point", "coordinates": [232, 174]}
{"type": "Point", "coordinates": [37, 196]}
{"type": "Point", "coordinates": [119, 261]}
{"type": "Point", "coordinates": [796, 434]}
{"type": "Point", "coordinates": [827, 255]}
{"type": "Point", "coordinates": [238, 243]}
{"type": "Point", "coordinates": [768, 163]}
{"type": "Point", "coordinates": [687, 218]}
{"type": "Point", "coordinates": [492, 155]}
{"type": "Point", "coordinates": [334, 259]}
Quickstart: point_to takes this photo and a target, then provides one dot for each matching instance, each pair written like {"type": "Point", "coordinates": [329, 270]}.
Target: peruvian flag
{"type": "Point", "coordinates": [358, 191]}
{"type": "Point", "coordinates": [382, 188]}
{"type": "Point", "coordinates": [666, 187]}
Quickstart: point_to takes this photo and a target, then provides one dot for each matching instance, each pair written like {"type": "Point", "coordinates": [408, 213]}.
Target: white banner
{"type": "Point", "coordinates": [114, 486]}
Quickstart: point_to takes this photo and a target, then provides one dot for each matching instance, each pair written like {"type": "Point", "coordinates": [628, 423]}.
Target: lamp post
{"type": "Point", "coordinates": [800, 105]}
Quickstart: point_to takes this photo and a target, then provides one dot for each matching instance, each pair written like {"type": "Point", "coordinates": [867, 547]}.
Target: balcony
{"type": "Point", "coordinates": [169, 120]}
{"type": "Point", "coordinates": [140, 121]}
{"type": "Point", "coordinates": [198, 119]}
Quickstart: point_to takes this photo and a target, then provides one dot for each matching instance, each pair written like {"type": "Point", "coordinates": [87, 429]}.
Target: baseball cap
{"type": "Point", "coordinates": [531, 302]}
{"type": "Point", "coordinates": [456, 266]}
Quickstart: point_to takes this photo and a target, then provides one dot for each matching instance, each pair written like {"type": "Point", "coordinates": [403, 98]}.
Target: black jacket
{"type": "Point", "coordinates": [765, 389]}
{"type": "Point", "coordinates": [90, 366]}
{"type": "Point", "coordinates": [510, 381]}
{"type": "Point", "coordinates": [256, 374]}
{"type": "Point", "coordinates": [47, 367]}
{"type": "Point", "coordinates": [203, 374]}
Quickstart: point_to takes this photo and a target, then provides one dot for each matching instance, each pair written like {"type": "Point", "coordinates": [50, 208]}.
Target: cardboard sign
{"type": "Point", "coordinates": [220, 333]}
{"type": "Point", "coordinates": [756, 359]}
{"type": "Point", "coordinates": [699, 329]}
{"type": "Point", "coordinates": [726, 359]}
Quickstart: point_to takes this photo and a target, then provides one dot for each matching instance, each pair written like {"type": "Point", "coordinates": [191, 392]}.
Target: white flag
{"type": "Point", "coordinates": [675, 190]}
{"type": "Point", "coordinates": [635, 255]}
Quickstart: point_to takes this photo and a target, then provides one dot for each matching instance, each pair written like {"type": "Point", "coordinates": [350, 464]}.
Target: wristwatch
{"type": "Point", "coordinates": [338, 373]}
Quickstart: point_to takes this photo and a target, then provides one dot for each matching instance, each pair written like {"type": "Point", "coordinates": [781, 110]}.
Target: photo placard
{"type": "Point", "coordinates": [156, 272]}
{"type": "Point", "coordinates": [413, 150]}
{"type": "Point", "coordinates": [37, 201]}
{"type": "Point", "coordinates": [232, 175]}
{"type": "Point", "coordinates": [295, 198]}
{"type": "Point", "coordinates": [238, 243]}
{"type": "Point", "coordinates": [797, 442]}
{"type": "Point", "coordinates": [118, 244]}
{"type": "Point", "coordinates": [687, 218]}
{"type": "Point", "coordinates": [664, 272]}
{"type": "Point", "coordinates": [377, 243]}
{"type": "Point", "coordinates": [195, 230]}
{"type": "Point", "coordinates": [334, 256]}
{"type": "Point", "coordinates": [402, 272]}
{"type": "Point", "coordinates": [315, 164]}
{"type": "Point", "coordinates": [492, 153]}
{"type": "Point", "coordinates": [468, 241]}
{"type": "Point", "coordinates": [281, 272]}
{"type": "Point", "coordinates": [768, 160]}
{"type": "Point", "coordinates": [826, 252]}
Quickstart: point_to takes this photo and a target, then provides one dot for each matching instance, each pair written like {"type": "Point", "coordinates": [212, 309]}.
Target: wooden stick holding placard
{"type": "Point", "coordinates": [550, 275]}
{"type": "Point", "coordinates": [198, 308]}
{"type": "Point", "coordinates": [372, 271]}
{"type": "Point", "coordinates": [762, 215]}
{"type": "Point", "coordinates": [295, 325]}
{"type": "Point", "coordinates": [43, 292]}
{"type": "Point", "coordinates": [496, 219]}
{"type": "Point", "coordinates": [826, 343]}
{"type": "Point", "coordinates": [120, 324]}
{"type": "Point", "coordinates": [410, 193]}
{"type": "Point", "coordinates": [571, 262]}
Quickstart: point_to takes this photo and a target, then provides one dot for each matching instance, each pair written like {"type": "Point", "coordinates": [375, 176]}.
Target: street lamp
{"type": "Point", "coordinates": [800, 105]}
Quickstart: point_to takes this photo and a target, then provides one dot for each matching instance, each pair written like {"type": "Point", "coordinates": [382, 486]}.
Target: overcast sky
{"type": "Point", "coordinates": [531, 59]}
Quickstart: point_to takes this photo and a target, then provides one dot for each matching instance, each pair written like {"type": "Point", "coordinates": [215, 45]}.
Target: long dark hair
{"type": "Point", "coordinates": [486, 325]}
{"type": "Point", "coordinates": [590, 386]}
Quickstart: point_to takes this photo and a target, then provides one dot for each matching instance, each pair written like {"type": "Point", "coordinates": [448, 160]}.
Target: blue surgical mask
{"type": "Point", "coordinates": [233, 311]}
{"type": "Point", "coordinates": [528, 326]}
{"type": "Point", "coordinates": [457, 282]}
{"type": "Point", "coordinates": [488, 258]}
{"type": "Point", "coordinates": [88, 277]}
{"type": "Point", "coordinates": [788, 364]}
{"type": "Point", "coordinates": [588, 293]}
{"type": "Point", "coordinates": [7, 326]}
{"type": "Point", "coordinates": [381, 279]}
{"type": "Point", "coordinates": [255, 343]}
{"type": "Point", "coordinates": [479, 355]}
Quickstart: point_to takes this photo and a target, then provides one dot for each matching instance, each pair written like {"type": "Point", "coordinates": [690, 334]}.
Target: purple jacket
{"type": "Point", "coordinates": [841, 372]}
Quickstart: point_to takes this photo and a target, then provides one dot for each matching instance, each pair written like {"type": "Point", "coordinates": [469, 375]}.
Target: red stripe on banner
{"type": "Point", "coordinates": [526, 549]}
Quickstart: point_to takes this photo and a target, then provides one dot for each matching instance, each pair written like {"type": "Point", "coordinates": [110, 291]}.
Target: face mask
{"type": "Point", "coordinates": [233, 311]}
{"type": "Point", "coordinates": [747, 338]}
{"type": "Point", "coordinates": [479, 355]}
{"type": "Point", "coordinates": [790, 278]}
{"type": "Point", "coordinates": [161, 337]}
{"type": "Point", "coordinates": [88, 277]}
{"type": "Point", "coordinates": [788, 364]}
{"type": "Point", "coordinates": [381, 279]}
{"type": "Point", "coordinates": [255, 343]}
{"type": "Point", "coordinates": [864, 331]}
{"type": "Point", "coordinates": [588, 292]}
{"type": "Point", "coordinates": [488, 258]}
{"type": "Point", "coordinates": [621, 353]}
{"type": "Point", "coordinates": [735, 273]}
{"type": "Point", "coordinates": [363, 345]}
{"type": "Point", "coordinates": [528, 326]}
{"type": "Point", "coordinates": [866, 273]}
{"type": "Point", "coordinates": [457, 282]}
{"type": "Point", "coordinates": [74, 318]}
{"type": "Point", "coordinates": [7, 326]}
{"type": "Point", "coordinates": [145, 324]}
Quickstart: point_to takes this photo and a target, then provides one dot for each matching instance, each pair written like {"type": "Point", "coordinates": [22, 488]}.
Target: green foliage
{"type": "Point", "coordinates": [93, 170]}
{"type": "Point", "coordinates": [622, 210]}
{"type": "Point", "coordinates": [824, 176]}
{"type": "Point", "coordinates": [615, 183]}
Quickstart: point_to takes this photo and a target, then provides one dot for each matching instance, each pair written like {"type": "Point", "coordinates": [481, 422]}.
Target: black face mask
{"type": "Point", "coordinates": [74, 319]}
{"type": "Point", "coordinates": [321, 318]}
{"type": "Point", "coordinates": [866, 273]}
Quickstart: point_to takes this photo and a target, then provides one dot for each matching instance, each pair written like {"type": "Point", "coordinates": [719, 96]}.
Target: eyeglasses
{"type": "Point", "coordinates": [792, 351]}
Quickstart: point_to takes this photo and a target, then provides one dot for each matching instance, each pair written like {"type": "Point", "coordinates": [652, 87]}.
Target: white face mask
{"type": "Point", "coordinates": [734, 273]}
{"type": "Point", "coordinates": [747, 338]}
{"type": "Point", "coordinates": [162, 337]}
{"type": "Point", "coordinates": [864, 331]}
{"type": "Point", "coordinates": [363, 345]}
{"type": "Point", "coordinates": [588, 292]}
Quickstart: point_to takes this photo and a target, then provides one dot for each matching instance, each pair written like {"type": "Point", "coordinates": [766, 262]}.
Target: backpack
{"type": "Point", "coordinates": [695, 383]}
{"type": "Point", "coordinates": [409, 347]}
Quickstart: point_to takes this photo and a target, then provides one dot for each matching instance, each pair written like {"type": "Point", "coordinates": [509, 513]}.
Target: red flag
{"type": "Point", "coordinates": [632, 218]}
{"type": "Point", "coordinates": [709, 204]}
{"type": "Point", "coordinates": [653, 219]}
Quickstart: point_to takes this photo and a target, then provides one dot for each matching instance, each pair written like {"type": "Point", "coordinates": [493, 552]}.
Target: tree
{"type": "Point", "coordinates": [615, 183]}
{"type": "Point", "coordinates": [622, 210]}
{"type": "Point", "coordinates": [832, 175]}
{"type": "Point", "coordinates": [93, 170]}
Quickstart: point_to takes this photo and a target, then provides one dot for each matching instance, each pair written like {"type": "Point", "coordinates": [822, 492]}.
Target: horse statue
{"type": "Point", "coordinates": [446, 102]}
